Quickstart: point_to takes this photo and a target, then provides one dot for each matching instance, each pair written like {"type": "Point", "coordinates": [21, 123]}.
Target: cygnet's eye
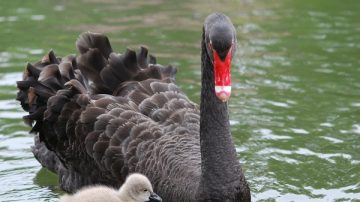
{"type": "Point", "coordinates": [145, 190]}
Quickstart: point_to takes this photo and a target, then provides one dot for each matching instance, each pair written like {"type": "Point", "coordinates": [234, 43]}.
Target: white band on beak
{"type": "Point", "coordinates": [223, 92]}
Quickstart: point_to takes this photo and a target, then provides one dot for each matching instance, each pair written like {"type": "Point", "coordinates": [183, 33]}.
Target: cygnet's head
{"type": "Point", "coordinates": [138, 188]}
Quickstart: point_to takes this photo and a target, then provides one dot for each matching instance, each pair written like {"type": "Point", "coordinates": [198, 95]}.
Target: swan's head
{"type": "Point", "coordinates": [138, 188]}
{"type": "Point", "coordinates": [220, 42]}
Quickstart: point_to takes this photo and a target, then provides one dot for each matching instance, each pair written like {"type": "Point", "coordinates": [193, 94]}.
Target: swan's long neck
{"type": "Point", "coordinates": [220, 168]}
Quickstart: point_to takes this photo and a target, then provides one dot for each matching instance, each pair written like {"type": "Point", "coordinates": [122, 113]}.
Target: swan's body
{"type": "Point", "coordinates": [104, 115]}
{"type": "Point", "coordinates": [136, 188]}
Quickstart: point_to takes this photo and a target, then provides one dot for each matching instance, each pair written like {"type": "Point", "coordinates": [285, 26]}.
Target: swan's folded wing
{"type": "Point", "coordinates": [105, 114]}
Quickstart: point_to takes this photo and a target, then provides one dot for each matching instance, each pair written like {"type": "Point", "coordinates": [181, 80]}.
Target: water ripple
{"type": "Point", "coordinates": [9, 79]}
{"type": "Point", "coordinates": [306, 152]}
{"type": "Point", "coordinates": [268, 134]}
{"type": "Point", "coordinates": [336, 194]}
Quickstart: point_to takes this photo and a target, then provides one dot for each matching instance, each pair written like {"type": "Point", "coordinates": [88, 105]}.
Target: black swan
{"type": "Point", "coordinates": [101, 115]}
{"type": "Point", "coordinates": [136, 188]}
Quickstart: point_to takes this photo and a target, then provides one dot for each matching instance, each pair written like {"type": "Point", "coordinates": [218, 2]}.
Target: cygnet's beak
{"type": "Point", "coordinates": [154, 197]}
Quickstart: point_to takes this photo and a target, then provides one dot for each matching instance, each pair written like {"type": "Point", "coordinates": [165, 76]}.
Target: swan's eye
{"type": "Point", "coordinates": [144, 190]}
{"type": "Point", "coordinates": [210, 45]}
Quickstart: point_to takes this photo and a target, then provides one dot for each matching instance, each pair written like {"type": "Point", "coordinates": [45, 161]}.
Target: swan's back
{"type": "Point", "coordinates": [105, 115]}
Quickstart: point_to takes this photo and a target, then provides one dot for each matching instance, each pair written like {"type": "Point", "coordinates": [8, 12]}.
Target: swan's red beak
{"type": "Point", "coordinates": [222, 75]}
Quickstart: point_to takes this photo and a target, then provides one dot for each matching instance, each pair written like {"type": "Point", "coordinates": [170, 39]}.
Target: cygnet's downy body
{"type": "Point", "coordinates": [136, 188]}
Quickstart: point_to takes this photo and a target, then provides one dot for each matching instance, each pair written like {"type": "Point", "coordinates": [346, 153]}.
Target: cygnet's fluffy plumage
{"type": "Point", "coordinates": [136, 188]}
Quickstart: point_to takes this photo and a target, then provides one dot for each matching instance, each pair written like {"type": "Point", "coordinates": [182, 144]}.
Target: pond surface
{"type": "Point", "coordinates": [296, 100]}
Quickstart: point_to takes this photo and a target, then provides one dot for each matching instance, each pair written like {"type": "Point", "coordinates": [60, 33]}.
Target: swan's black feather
{"type": "Point", "coordinates": [32, 71]}
{"type": "Point", "coordinates": [89, 41]}
{"type": "Point", "coordinates": [103, 115]}
{"type": "Point", "coordinates": [108, 112]}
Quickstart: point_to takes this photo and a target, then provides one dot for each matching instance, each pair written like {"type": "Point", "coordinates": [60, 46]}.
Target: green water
{"type": "Point", "coordinates": [296, 95]}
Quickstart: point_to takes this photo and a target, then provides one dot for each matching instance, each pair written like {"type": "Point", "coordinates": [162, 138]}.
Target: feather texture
{"type": "Point", "coordinates": [102, 115]}
{"type": "Point", "coordinates": [119, 114]}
